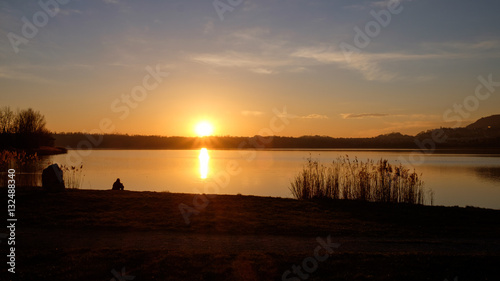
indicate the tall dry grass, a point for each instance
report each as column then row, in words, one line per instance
column 27, row 168
column 73, row 176
column 357, row 180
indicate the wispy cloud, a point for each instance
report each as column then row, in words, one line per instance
column 250, row 62
column 111, row 1
column 299, row 69
column 261, row 70
column 290, row 116
column 363, row 115
column 264, row 54
column 366, row 64
column 228, row 59
column 369, row 64
column 314, row 116
column 267, row 55
column 21, row 74
column 309, row 116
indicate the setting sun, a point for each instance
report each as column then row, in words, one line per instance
column 204, row 129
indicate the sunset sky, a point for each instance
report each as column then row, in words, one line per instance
column 231, row 67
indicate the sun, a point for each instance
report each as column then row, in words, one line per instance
column 204, row 129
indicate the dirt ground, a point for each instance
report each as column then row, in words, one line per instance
column 124, row 235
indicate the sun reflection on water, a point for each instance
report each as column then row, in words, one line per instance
column 204, row 158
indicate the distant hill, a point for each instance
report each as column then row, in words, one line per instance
column 490, row 122
column 484, row 133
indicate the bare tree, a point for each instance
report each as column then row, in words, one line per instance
column 30, row 131
column 30, row 122
column 7, row 120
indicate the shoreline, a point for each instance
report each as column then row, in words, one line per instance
column 48, row 150
column 465, row 151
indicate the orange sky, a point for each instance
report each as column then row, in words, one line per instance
column 107, row 61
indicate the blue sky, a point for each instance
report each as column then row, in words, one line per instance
column 261, row 55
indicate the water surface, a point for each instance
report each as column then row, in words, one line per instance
column 455, row 179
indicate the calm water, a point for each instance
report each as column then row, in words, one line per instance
column 455, row 179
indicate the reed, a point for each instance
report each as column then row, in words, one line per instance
column 357, row 180
column 73, row 176
column 27, row 167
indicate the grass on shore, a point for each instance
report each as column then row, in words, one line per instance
column 25, row 165
column 357, row 180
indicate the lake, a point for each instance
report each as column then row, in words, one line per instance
column 455, row 179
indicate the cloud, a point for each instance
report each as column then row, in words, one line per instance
column 262, row 71
column 229, row 59
column 254, row 49
column 370, row 64
column 35, row 73
column 309, row 116
column 314, row 116
column 299, row 69
column 111, row 1
column 266, row 53
column 252, row 63
column 251, row 113
column 363, row 115
column 363, row 63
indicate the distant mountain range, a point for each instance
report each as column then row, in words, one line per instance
column 483, row 134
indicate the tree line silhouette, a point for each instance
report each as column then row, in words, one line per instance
column 24, row 129
column 472, row 139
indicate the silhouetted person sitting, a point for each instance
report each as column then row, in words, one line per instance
column 118, row 185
